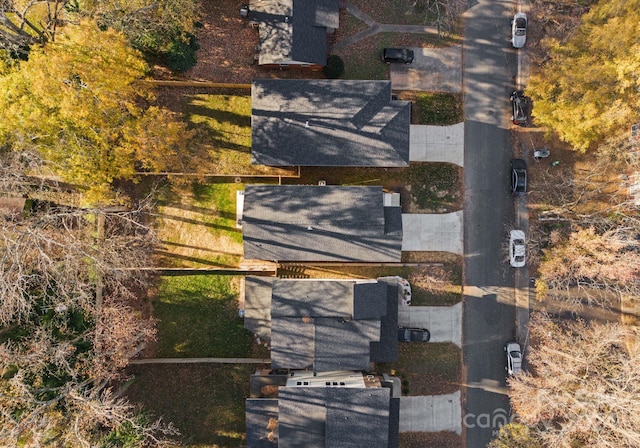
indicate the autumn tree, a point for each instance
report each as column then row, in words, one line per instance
column 588, row 88
column 80, row 104
column 24, row 23
column 515, row 435
column 582, row 385
column 163, row 28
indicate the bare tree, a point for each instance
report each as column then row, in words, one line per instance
column 444, row 14
column 69, row 282
column 582, row 385
column 22, row 23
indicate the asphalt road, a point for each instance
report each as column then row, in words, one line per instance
column 489, row 70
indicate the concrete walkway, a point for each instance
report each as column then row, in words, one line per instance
column 431, row 413
column 432, row 232
column 444, row 322
column 437, row 143
column 203, row 360
column 375, row 28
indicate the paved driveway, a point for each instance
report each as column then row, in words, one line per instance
column 433, row 69
column 437, row 143
column 432, row 232
column 444, row 322
column 431, row 413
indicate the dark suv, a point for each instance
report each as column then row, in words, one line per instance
column 519, row 107
column 518, row 177
column 403, row 55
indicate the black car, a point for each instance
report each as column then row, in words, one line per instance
column 518, row 177
column 519, row 107
column 403, row 55
column 413, row 334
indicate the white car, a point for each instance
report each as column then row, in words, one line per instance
column 514, row 358
column 519, row 30
column 517, row 248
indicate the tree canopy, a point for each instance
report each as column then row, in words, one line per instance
column 588, row 89
column 79, row 102
column 582, row 385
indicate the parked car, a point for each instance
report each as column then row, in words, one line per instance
column 518, row 177
column 413, row 334
column 519, row 108
column 403, row 55
column 514, row 358
column 517, row 248
column 519, row 30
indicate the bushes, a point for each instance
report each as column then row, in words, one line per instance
column 181, row 53
column 334, row 68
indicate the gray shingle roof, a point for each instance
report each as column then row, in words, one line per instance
column 320, row 223
column 294, row 30
column 334, row 417
column 257, row 310
column 258, row 413
column 357, row 418
column 328, row 123
column 321, row 329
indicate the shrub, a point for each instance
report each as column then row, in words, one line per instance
column 334, row 68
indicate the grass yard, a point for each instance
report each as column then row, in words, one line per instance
column 197, row 226
column 204, row 401
column 443, row 439
column 434, row 108
column 426, row 368
column 198, row 317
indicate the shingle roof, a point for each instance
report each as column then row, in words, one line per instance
column 335, row 324
column 257, row 315
column 334, row 417
column 320, row 223
column 258, row 413
column 294, row 30
column 328, row 123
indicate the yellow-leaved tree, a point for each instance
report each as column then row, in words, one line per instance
column 588, row 89
column 79, row 102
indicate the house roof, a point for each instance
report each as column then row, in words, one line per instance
column 320, row 223
column 328, row 123
column 294, row 31
column 333, row 417
column 326, row 325
column 259, row 413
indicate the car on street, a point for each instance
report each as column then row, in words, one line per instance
column 519, row 108
column 514, row 358
column 517, row 248
column 519, row 30
column 413, row 334
column 403, row 55
column 518, row 177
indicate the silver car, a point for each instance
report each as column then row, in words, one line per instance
column 514, row 358
column 519, row 30
column 517, row 248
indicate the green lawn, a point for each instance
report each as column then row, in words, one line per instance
column 438, row 108
column 400, row 12
column 426, row 368
column 204, row 401
column 198, row 317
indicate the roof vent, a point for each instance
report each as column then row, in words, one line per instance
column 322, row 183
